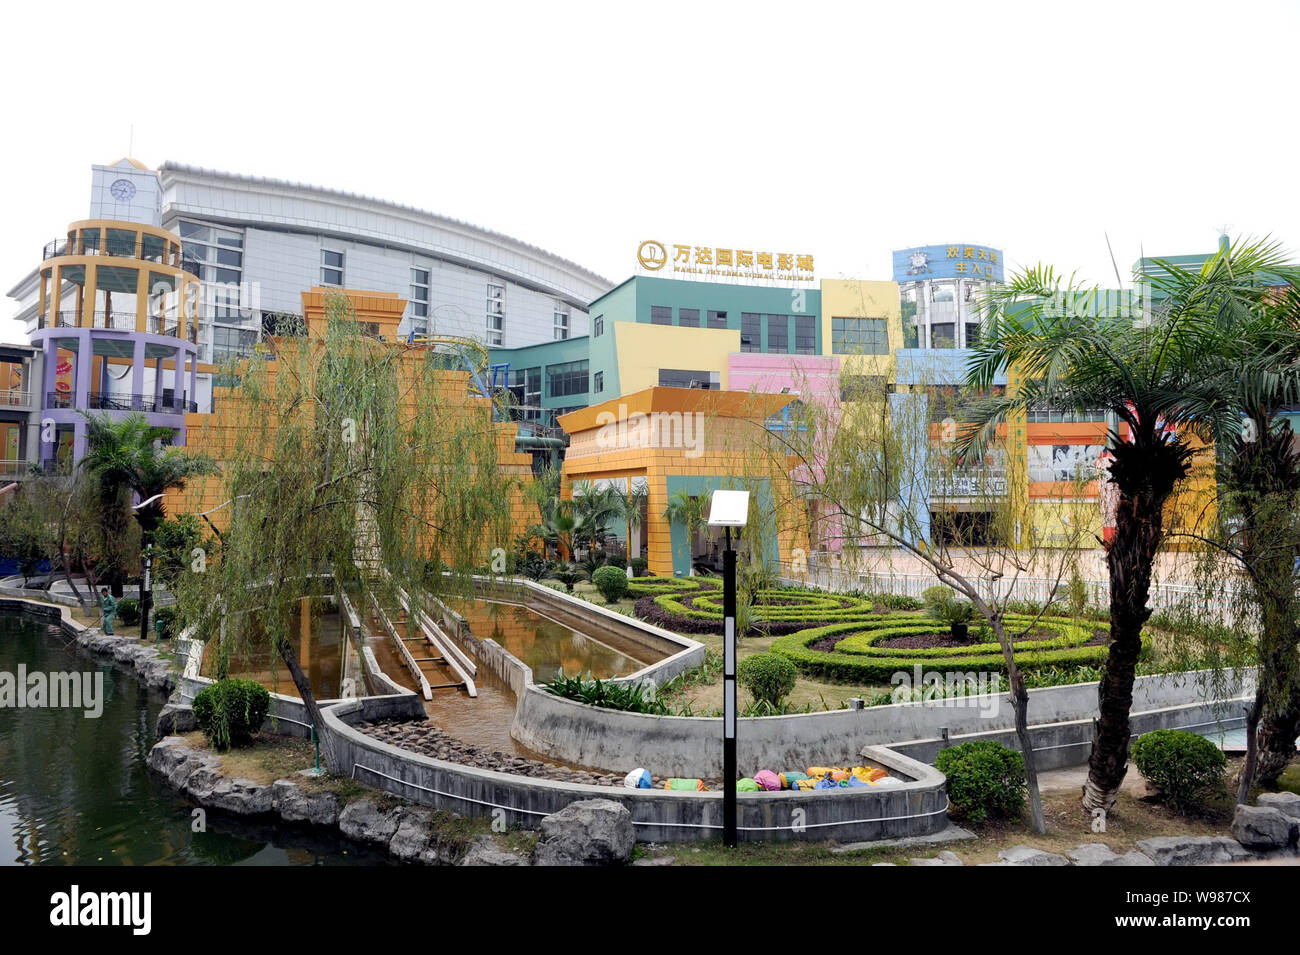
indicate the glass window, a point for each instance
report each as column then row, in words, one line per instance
column 972, row 333
column 805, row 335
column 419, row 298
column 859, row 336
column 496, row 313
column 778, row 334
column 331, row 267
column 561, row 324
column 717, row 319
column 568, row 378
column 526, row 387
column 661, row 315
column 688, row 317
column 943, row 335
column 598, row 382
column 751, row 332
column 686, row 378
column 598, row 326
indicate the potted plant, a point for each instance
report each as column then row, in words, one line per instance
column 957, row 614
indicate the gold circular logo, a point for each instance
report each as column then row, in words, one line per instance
column 652, row 255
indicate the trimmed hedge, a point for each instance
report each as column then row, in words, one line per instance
column 880, row 666
column 986, row 780
column 1186, row 768
column 639, row 587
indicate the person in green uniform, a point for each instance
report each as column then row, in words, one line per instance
column 109, row 607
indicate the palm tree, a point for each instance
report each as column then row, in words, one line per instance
column 596, row 508
column 1160, row 374
column 633, row 502
column 127, row 455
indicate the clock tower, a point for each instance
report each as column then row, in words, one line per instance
column 126, row 191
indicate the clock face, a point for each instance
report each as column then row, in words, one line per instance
column 123, row 190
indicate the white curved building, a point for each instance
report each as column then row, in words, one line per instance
column 257, row 243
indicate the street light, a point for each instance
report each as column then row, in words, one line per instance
column 729, row 509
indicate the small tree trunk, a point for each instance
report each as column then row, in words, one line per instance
column 1020, row 707
column 301, row 681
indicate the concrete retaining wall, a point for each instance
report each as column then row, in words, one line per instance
column 1061, row 721
column 917, row 807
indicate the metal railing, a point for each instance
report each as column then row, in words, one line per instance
column 13, row 469
column 113, row 248
column 15, row 397
column 150, row 404
column 122, row 321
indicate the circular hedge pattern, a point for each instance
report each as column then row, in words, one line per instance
column 855, row 658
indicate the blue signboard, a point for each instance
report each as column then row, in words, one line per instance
column 948, row 262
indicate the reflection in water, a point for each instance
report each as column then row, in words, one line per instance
column 320, row 656
column 76, row 791
column 550, row 648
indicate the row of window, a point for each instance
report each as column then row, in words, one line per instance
column 778, row 333
column 859, row 336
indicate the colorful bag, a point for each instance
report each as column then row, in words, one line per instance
column 826, row 783
column 685, row 785
column 791, row 780
column 638, row 779
column 886, row 781
column 806, row 783
column 747, row 785
column 768, row 780
column 817, row 772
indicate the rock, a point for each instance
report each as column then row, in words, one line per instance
column 486, row 852
column 1192, row 850
column 1263, row 827
column 363, row 821
column 587, row 832
column 176, row 718
column 243, row 797
column 943, row 858
column 1097, row 853
column 412, row 835
column 294, row 805
column 177, row 762
column 1286, row 803
column 1027, row 855
column 654, row 861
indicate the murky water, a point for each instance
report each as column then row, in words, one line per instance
column 320, row 656
column 76, row 791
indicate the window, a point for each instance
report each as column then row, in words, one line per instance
column 598, row 382
column 943, row 335
column 751, row 332
column 598, row 326
column 568, row 378
column 231, row 343
column 805, row 335
column 717, row 319
column 972, row 333
column 661, row 315
column 216, row 256
column 688, row 317
column 778, row 334
column 331, row 267
column 419, row 293
column 526, row 389
column 859, row 336
column 496, row 313
column 561, row 324
column 684, row 378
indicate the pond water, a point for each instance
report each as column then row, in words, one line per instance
column 76, row 791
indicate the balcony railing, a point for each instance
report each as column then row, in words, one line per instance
column 14, row 397
column 120, row 250
column 123, row 321
column 13, row 469
column 123, row 402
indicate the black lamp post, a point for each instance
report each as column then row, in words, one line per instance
column 729, row 509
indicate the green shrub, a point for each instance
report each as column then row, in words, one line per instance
column 639, row 566
column 1185, row 768
column 768, row 677
column 569, row 575
column 985, row 780
column 939, row 593
column 128, row 611
column 611, row 582
column 895, row 601
column 630, row 697
column 617, row 560
column 230, row 711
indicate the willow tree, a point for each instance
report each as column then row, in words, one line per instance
column 1157, row 368
column 350, row 464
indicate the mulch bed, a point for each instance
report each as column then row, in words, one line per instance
column 944, row 640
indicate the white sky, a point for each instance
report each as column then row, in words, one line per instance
column 845, row 131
